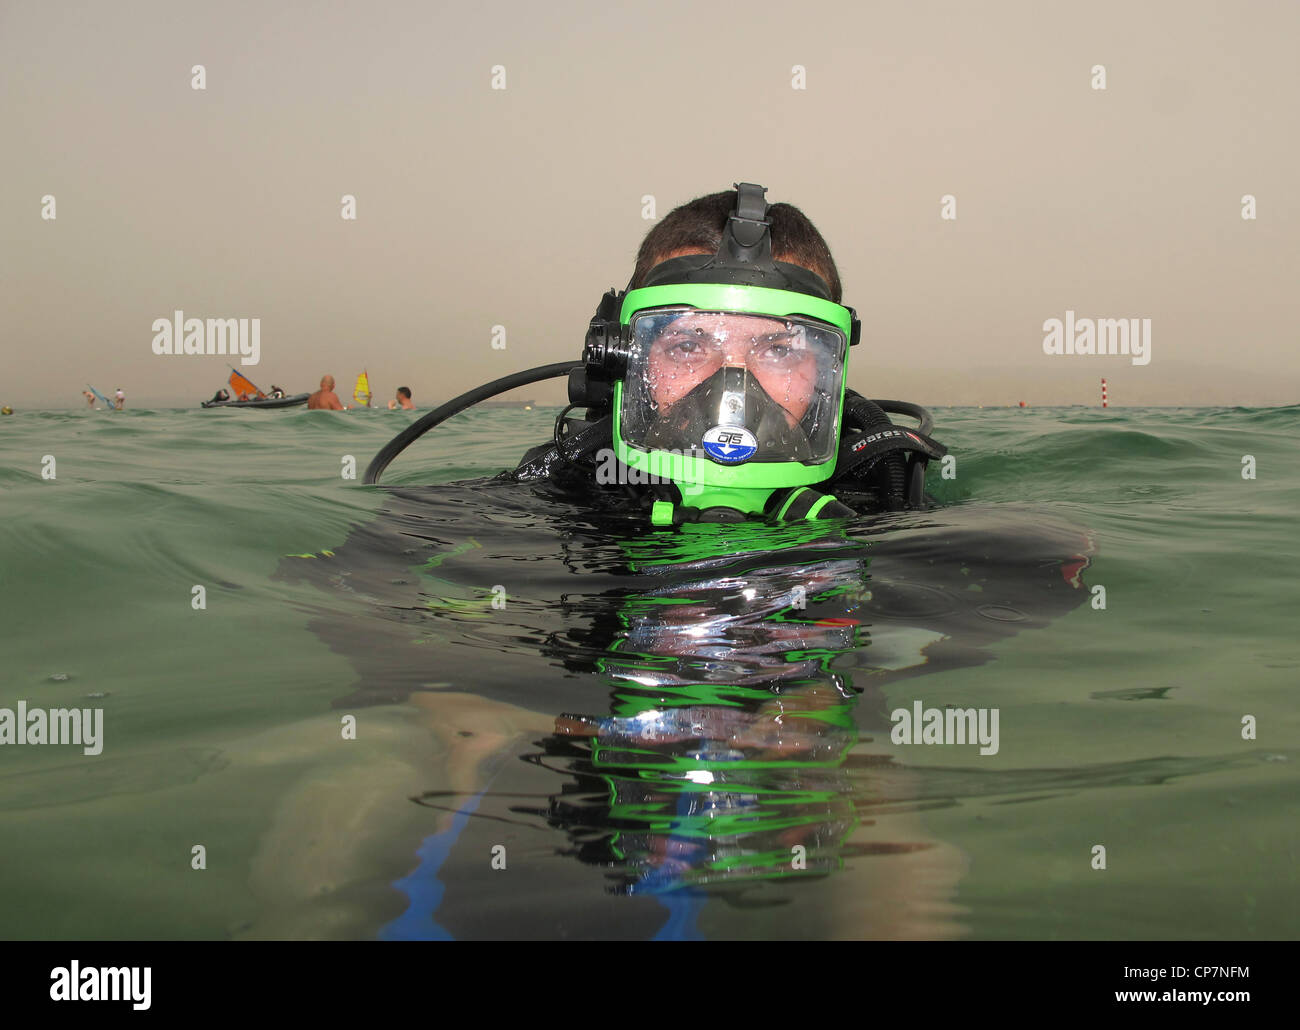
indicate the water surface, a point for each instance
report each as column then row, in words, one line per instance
column 656, row 734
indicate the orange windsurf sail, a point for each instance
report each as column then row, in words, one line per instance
column 243, row 387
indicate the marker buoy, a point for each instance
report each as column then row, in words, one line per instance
column 1103, row 394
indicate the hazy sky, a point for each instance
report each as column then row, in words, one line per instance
column 519, row 206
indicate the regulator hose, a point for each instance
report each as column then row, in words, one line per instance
column 418, row 428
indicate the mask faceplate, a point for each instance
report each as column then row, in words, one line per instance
column 733, row 387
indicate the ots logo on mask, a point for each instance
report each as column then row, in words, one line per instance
column 729, row 444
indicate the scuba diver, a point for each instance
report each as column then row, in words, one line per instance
column 714, row 384
column 686, row 713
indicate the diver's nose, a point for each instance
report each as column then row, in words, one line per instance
column 735, row 357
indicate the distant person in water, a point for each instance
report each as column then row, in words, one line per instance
column 325, row 399
column 90, row 398
column 403, row 399
column 119, row 399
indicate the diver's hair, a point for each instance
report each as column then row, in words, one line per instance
column 698, row 226
column 405, row 391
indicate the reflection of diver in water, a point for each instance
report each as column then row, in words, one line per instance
column 723, row 753
column 943, row 587
column 727, row 755
column 735, row 708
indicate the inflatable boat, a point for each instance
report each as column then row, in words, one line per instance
column 260, row 402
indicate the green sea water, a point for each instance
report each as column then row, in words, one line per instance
column 224, row 726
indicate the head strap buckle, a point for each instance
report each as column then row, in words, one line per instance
column 748, row 237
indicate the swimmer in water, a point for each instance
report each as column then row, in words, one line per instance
column 325, row 399
column 403, row 399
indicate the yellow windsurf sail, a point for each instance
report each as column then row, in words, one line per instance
column 361, row 392
column 242, row 387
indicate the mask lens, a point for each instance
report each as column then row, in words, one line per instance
column 691, row 371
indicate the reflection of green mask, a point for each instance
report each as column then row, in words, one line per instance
column 729, row 728
column 717, row 812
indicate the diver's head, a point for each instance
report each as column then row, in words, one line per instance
column 696, row 229
column 727, row 352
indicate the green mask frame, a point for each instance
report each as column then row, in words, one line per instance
column 702, row 482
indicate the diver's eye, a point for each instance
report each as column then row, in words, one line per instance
column 687, row 346
column 778, row 350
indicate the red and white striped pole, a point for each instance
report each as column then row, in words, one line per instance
column 1103, row 394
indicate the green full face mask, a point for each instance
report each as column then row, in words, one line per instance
column 728, row 372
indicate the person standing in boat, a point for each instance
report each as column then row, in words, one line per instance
column 325, row 399
column 90, row 399
column 403, row 400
